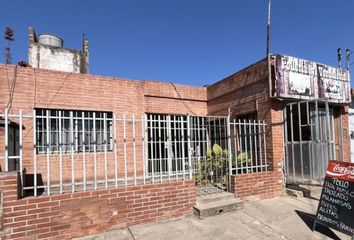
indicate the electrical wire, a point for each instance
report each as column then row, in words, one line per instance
column 181, row 99
column 35, row 88
column 11, row 88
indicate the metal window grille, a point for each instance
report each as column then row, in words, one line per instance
column 55, row 127
column 167, row 145
column 248, row 145
column 146, row 149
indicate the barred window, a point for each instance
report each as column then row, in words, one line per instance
column 248, row 131
column 84, row 129
column 166, row 138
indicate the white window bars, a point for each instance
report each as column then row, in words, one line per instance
column 55, row 126
column 248, row 146
column 67, row 151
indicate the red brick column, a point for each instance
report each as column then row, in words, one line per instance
column 72, row 215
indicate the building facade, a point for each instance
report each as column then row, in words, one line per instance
column 110, row 152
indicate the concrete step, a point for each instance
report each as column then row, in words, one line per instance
column 302, row 190
column 212, row 206
column 211, row 198
column 315, row 190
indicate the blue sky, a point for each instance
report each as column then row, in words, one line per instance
column 194, row 42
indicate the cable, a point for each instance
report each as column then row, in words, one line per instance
column 11, row 89
column 181, row 99
column 35, row 88
column 8, row 82
column 131, row 234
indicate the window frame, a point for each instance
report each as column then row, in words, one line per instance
column 73, row 121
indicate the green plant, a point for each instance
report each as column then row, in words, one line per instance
column 243, row 159
column 213, row 170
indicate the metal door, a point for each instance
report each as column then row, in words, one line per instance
column 309, row 141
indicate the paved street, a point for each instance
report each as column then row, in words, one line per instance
column 282, row 218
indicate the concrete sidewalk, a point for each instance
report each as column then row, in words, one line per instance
column 282, row 218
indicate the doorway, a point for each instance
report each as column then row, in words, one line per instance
column 310, row 141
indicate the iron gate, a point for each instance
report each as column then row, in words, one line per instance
column 232, row 147
column 309, row 141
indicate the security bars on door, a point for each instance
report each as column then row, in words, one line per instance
column 62, row 151
column 309, row 141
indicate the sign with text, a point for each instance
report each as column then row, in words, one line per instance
column 302, row 79
column 335, row 208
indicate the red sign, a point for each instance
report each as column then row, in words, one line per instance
column 340, row 170
column 336, row 206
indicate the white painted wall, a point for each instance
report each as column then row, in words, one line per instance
column 54, row 58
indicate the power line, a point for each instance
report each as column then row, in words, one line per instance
column 11, row 89
column 181, row 99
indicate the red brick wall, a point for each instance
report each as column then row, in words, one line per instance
column 41, row 88
column 247, row 92
column 254, row 186
column 171, row 98
column 276, row 145
column 245, row 77
column 73, row 215
column 176, row 91
column 243, row 93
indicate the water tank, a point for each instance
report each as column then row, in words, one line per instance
column 51, row 40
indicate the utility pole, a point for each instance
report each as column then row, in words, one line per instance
column 268, row 28
column 268, row 51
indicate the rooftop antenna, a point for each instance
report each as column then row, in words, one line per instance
column 268, row 29
column 347, row 54
column 9, row 33
column 83, row 41
column 339, row 54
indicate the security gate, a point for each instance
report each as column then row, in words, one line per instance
column 181, row 144
column 309, row 141
column 227, row 147
column 211, row 148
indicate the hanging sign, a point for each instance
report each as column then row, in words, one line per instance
column 302, row 79
column 336, row 205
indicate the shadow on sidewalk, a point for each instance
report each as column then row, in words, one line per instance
column 309, row 220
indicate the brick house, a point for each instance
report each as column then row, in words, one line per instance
column 109, row 152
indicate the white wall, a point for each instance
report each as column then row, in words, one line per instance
column 54, row 58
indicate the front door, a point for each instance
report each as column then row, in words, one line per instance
column 309, row 141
